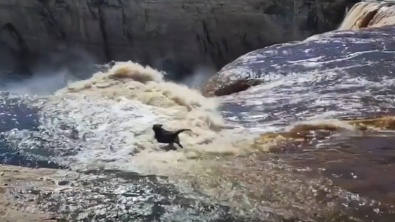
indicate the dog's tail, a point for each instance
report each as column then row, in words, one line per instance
column 181, row 130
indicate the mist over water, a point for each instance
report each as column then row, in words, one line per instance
column 40, row 84
column 199, row 77
column 62, row 69
column 49, row 73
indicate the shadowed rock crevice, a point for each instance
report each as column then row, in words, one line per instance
column 102, row 24
column 15, row 46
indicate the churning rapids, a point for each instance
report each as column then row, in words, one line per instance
column 312, row 142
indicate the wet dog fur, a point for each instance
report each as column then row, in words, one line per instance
column 165, row 136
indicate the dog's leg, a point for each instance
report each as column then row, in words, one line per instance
column 177, row 141
column 172, row 147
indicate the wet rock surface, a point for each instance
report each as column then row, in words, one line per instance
column 365, row 53
column 334, row 75
column 115, row 196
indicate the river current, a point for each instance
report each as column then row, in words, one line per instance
column 312, row 142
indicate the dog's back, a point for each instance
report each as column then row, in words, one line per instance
column 165, row 136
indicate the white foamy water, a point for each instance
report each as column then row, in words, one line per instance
column 106, row 121
column 109, row 121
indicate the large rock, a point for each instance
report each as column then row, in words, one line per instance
column 337, row 74
column 162, row 33
column 317, row 53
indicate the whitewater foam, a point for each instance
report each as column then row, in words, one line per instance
column 113, row 113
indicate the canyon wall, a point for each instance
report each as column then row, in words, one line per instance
column 176, row 33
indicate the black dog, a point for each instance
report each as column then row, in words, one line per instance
column 169, row 137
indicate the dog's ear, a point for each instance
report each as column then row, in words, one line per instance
column 157, row 126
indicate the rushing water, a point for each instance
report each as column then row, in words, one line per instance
column 322, row 169
column 101, row 195
column 17, row 115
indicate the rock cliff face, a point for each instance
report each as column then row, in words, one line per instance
column 159, row 32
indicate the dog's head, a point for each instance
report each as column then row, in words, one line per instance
column 157, row 127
